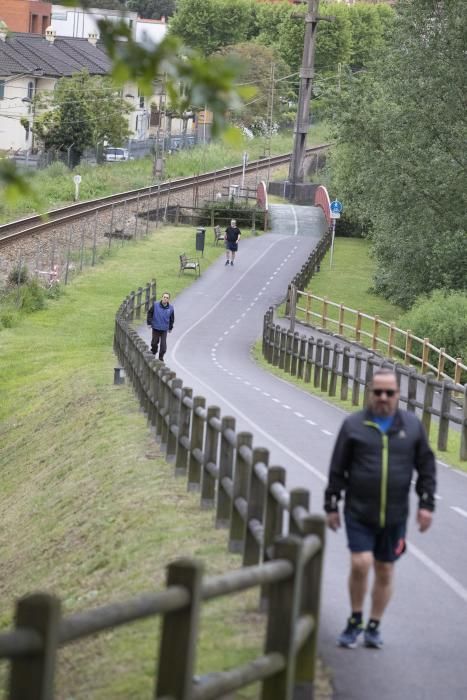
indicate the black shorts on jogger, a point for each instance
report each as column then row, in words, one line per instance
column 386, row 543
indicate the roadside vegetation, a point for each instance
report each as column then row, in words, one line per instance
column 91, row 511
column 55, row 188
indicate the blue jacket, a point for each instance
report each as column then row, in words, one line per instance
column 160, row 317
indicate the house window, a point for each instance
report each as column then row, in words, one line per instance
column 2, row 89
column 141, row 100
column 30, row 90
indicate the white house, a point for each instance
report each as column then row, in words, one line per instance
column 30, row 63
column 79, row 22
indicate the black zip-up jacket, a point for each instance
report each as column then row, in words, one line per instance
column 375, row 469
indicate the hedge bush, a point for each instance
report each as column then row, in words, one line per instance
column 441, row 317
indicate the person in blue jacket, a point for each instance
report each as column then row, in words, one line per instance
column 161, row 318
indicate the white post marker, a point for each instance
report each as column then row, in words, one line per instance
column 77, row 181
column 335, row 211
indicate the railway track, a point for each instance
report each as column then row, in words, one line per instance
column 21, row 228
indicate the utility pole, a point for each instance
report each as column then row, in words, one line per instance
column 304, row 95
column 270, row 113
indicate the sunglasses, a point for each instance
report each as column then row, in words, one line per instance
column 389, row 392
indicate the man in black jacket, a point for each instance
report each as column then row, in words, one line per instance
column 373, row 460
column 232, row 237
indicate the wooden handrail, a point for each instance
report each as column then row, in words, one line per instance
column 376, row 337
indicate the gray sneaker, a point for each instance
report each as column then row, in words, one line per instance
column 372, row 637
column 348, row 638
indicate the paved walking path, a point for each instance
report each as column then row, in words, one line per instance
column 217, row 320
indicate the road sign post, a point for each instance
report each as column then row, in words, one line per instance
column 335, row 211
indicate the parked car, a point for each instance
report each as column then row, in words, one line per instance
column 112, row 154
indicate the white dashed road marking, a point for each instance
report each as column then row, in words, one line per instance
column 461, row 511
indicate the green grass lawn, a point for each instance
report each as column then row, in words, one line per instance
column 90, row 509
column 55, row 185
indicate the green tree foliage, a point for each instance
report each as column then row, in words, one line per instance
column 109, row 4
column 212, row 24
column 256, row 61
column 82, row 111
column 441, row 317
column 400, row 161
column 367, row 34
column 152, row 9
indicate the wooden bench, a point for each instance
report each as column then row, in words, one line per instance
column 218, row 234
column 189, row 264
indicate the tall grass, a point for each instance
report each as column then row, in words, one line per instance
column 90, row 509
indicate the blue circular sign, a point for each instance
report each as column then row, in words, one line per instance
column 336, row 207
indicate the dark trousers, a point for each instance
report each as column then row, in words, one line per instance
column 156, row 337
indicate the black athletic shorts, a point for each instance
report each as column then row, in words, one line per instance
column 386, row 543
column 232, row 246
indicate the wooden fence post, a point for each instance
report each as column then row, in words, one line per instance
column 276, row 346
column 324, row 315
column 240, row 494
column 301, row 357
column 392, row 326
column 273, row 521
column 345, row 373
column 358, row 325
column 32, row 675
column 173, row 418
column 428, row 401
column 284, row 605
column 425, row 351
column 168, row 376
column 412, row 390
column 368, row 378
column 271, row 333
column 341, row 320
column 293, row 364
column 183, row 441
column 356, row 379
column 441, row 362
column 318, row 363
column 256, row 507
column 408, row 346
column 211, row 443
column 325, row 370
column 309, row 359
column 288, row 352
column 445, row 405
column 283, row 348
column 299, row 498
column 463, row 450
column 139, row 296
column 374, row 337
column 179, row 634
column 196, row 444
column 226, row 461
column 334, row 369
column 311, row 596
